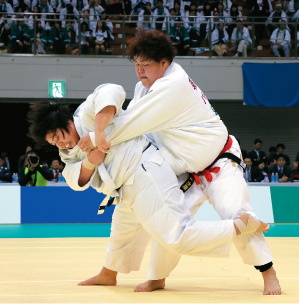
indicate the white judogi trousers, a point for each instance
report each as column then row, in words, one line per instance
column 227, row 193
column 153, row 206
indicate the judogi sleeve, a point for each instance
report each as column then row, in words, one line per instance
column 161, row 108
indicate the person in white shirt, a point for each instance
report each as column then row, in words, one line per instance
column 149, row 200
column 241, row 39
column 145, row 19
column 281, row 40
column 219, row 40
column 101, row 37
column 190, row 136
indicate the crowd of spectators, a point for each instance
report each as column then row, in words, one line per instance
column 187, row 24
column 262, row 168
column 32, row 171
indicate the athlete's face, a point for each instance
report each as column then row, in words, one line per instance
column 64, row 140
column 148, row 71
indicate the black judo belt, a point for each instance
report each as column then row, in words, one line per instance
column 190, row 180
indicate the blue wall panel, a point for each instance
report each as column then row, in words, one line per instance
column 62, row 205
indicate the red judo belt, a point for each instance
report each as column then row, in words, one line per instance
column 207, row 172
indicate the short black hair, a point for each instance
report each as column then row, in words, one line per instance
column 30, row 152
column 280, row 146
column 272, row 149
column 48, row 117
column 281, row 155
column 153, row 45
column 257, row 141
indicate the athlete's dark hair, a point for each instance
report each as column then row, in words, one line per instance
column 152, row 45
column 48, row 117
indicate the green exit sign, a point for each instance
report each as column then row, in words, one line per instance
column 56, row 89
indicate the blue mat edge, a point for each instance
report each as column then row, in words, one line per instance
column 103, row 230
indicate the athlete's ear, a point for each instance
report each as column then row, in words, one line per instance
column 165, row 63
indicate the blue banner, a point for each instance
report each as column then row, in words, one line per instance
column 271, row 84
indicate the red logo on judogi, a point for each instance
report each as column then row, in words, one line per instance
column 193, row 84
column 203, row 98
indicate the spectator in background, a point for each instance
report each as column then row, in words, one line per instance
column 41, row 38
column 177, row 9
column 94, row 10
column 162, row 12
column 252, row 173
column 92, row 24
column 108, row 24
column 145, row 19
column 214, row 24
column 34, row 174
column 219, row 40
column 4, row 156
column 5, row 174
column 5, row 25
column 273, row 154
column 79, row 5
column 71, row 15
column 58, row 39
column 21, row 161
column 264, row 170
column 284, row 171
column 30, row 20
column 45, row 9
column 295, row 170
column 280, row 150
column 222, row 13
column 192, row 24
column 256, row 154
column 275, row 17
column 261, row 10
column 20, row 37
column 233, row 15
column 206, row 12
column 54, row 169
column 101, row 37
column 45, row 163
column 241, row 39
column 117, row 7
column 281, row 41
column 6, row 8
column 179, row 37
column 137, row 6
column 86, row 39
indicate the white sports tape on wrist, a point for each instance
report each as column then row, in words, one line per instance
column 88, row 165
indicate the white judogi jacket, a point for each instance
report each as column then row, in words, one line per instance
column 180, row 116
column 120, row 164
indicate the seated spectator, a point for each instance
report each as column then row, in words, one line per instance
column 5, row 158
column 281, row 41
column 219, row 40
column 54, row 169
column 179, row 37
column 273, row 154
column 137, row 6
column 272, row 161
column 108, row 24
column 256, row 154
column 41, row 39
column 284, row 171
column 275, row 17
column 145, row 19
column 295, row 170
column 101, row 37
column 241, row 39
column 280, row 150
column 34, row 174
column 21, row 161
column 94, row 9
column 222, row 12
column 264, row 170
column 5, row 7
column 79, row 5
column 214, row 24
column 289, row 8
column 86, row 39
column 45, row 163
column 71, row 14
column 177, row 9
column 5, row 25
column 162, row 12
column 252, row 173
column 35, row 15
column 45, row 9
column 227, row 4
column 20, row 37
column 5, row 174
column 92, row 24
column 204, row 19
column 58, row 39
column 192, row 24
column 233, row 15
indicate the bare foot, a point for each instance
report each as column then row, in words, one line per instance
column 150, row 285
column 271, row 283
column 258, row 225
column 105, row 277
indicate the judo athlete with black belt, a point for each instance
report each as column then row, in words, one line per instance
column 149, row 200
column 192, row 138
